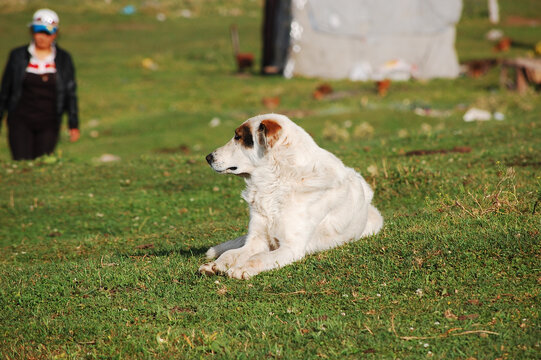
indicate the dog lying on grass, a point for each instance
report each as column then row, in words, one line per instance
column 302, row 198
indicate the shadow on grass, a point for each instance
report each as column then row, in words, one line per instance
column 150, row 252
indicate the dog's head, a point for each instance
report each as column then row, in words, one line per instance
column 251, row 144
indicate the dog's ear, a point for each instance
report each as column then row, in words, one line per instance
column 268, row 132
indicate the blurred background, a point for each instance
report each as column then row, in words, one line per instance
column 154, row 74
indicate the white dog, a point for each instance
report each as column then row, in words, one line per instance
column 302, row 198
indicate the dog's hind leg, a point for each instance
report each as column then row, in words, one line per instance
column 374, row 222
column 219, row 249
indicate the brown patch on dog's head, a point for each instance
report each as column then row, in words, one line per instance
column 243, row 134
column 269, row 132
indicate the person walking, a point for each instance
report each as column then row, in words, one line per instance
column 38, row 87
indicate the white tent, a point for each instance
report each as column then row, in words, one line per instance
column 368, row 39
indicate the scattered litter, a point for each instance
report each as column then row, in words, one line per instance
column 426, row 111
column 128, row 10
column 477, row 68
column 494, row 35
column 475, row 114
column 499, row 116
column 185, row 13
column 271, row 102
column 321, row 91
column 161, row 17
column 215, row 122
column 419, row 108
column 527, row 72
column 503, row 45
column 245, row 61
column 105, row 158
column 94, row 134
column 397, row 69
column 383, row 86
column 149, row 64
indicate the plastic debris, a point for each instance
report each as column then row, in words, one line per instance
column 499, row 116
column 423, row 111
column 185, row 13
column 215, row 122
column 149, row 64
column 128, row 10
column 105, row 158
column 475, row 114
column 397, row 69
column 494, row 35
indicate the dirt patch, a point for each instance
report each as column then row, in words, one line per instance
column 184, row 149
column 456, row 149
column 514, row 20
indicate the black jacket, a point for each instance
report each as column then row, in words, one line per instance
column 66, row 95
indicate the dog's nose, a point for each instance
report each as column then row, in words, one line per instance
column 210, row 158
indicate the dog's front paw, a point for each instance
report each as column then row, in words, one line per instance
column 239, row 273
column 208, row 269
column 250, row 268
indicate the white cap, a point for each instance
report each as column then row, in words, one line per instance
column 45, row 20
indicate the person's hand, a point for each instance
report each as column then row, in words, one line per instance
column 75, row 134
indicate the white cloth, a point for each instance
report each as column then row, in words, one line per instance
column 41, row 66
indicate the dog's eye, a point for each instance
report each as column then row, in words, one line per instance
column 237, row 137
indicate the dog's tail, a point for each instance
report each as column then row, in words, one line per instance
column 374, row 222
column 219, row 249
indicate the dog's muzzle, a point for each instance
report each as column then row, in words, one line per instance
column 210, row 158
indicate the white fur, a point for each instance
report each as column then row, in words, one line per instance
column 302, row 200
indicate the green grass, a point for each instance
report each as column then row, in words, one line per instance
column 99, row 260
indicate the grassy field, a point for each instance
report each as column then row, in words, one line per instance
column 99, row 260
